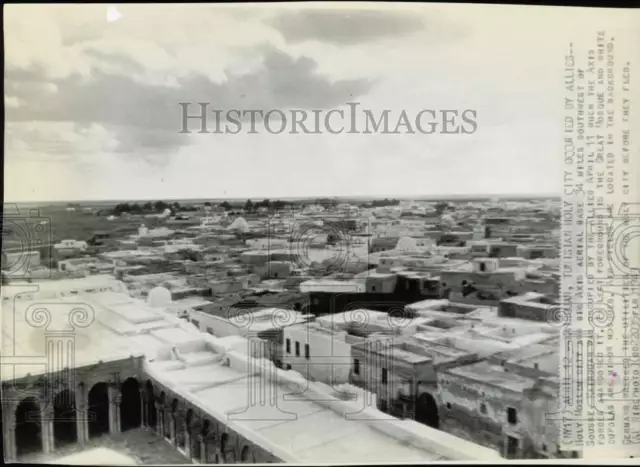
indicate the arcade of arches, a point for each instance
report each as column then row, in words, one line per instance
column 195, row 433
column 103, row 407
column 46, row 424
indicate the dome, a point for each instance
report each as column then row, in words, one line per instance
column 406, row 244
column 239, row 224
column 159, row 296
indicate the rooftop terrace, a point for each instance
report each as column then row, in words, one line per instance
column 296, row 420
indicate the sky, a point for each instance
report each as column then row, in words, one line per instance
column 92, row 106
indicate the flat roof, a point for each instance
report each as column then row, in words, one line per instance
column 293, row 424
column 437, row 351
column 493, row 375
column 296, row 420
column 543, row 356
column 192, row 301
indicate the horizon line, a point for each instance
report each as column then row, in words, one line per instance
column 302, row 198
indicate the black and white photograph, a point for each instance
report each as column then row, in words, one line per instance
column 319, row 233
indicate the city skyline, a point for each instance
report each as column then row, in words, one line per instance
column 419, row 198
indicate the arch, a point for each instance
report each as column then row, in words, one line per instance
column 427, row 410
column 207, row 440
column 28, row 427
column 166, row 426
column 152, row 419
column 65, row 427
column 174, row 418
column 98, row 410
column 224, row 440
column 246, row 455
column 180, row 426
column 189, row 418
column 194, row 436
column 131, row 405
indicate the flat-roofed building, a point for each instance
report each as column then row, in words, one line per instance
column 321, row 350
column 329, row 285
column 262, row 325
column 410, row 374
column 125, row 364
column 532, row 306
column 503, row 401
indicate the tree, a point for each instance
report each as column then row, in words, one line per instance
column 265, row 203
column 226, row 206
column 279, row 205
column 160, row 206
column 207, row 203
column 441, row 207
column 248, row 206
column 121, row 208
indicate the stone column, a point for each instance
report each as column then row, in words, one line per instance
column 159, row 420
column 48, row 442
column 82, row 414
column 10, row 448
column 172, row 431
column 144, row 416
column 203, row 449
column 187, row 441
column 114, row 409
column 117, row 410
column 47, row 434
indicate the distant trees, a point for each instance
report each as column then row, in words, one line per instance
column 385, row 202
column 266, row 203
column 379, row 203
column 159, row 206
column 326, row 203
column 278, row 204
column 149, row 207
column 441, row 207
column 122, row 208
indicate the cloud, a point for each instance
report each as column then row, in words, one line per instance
column 146, row 118
column 97, row 102
column 114, row 59
column 11, row 102
column 345, row 27
column 57, row 140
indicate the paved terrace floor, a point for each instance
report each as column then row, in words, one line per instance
column 142, row 446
